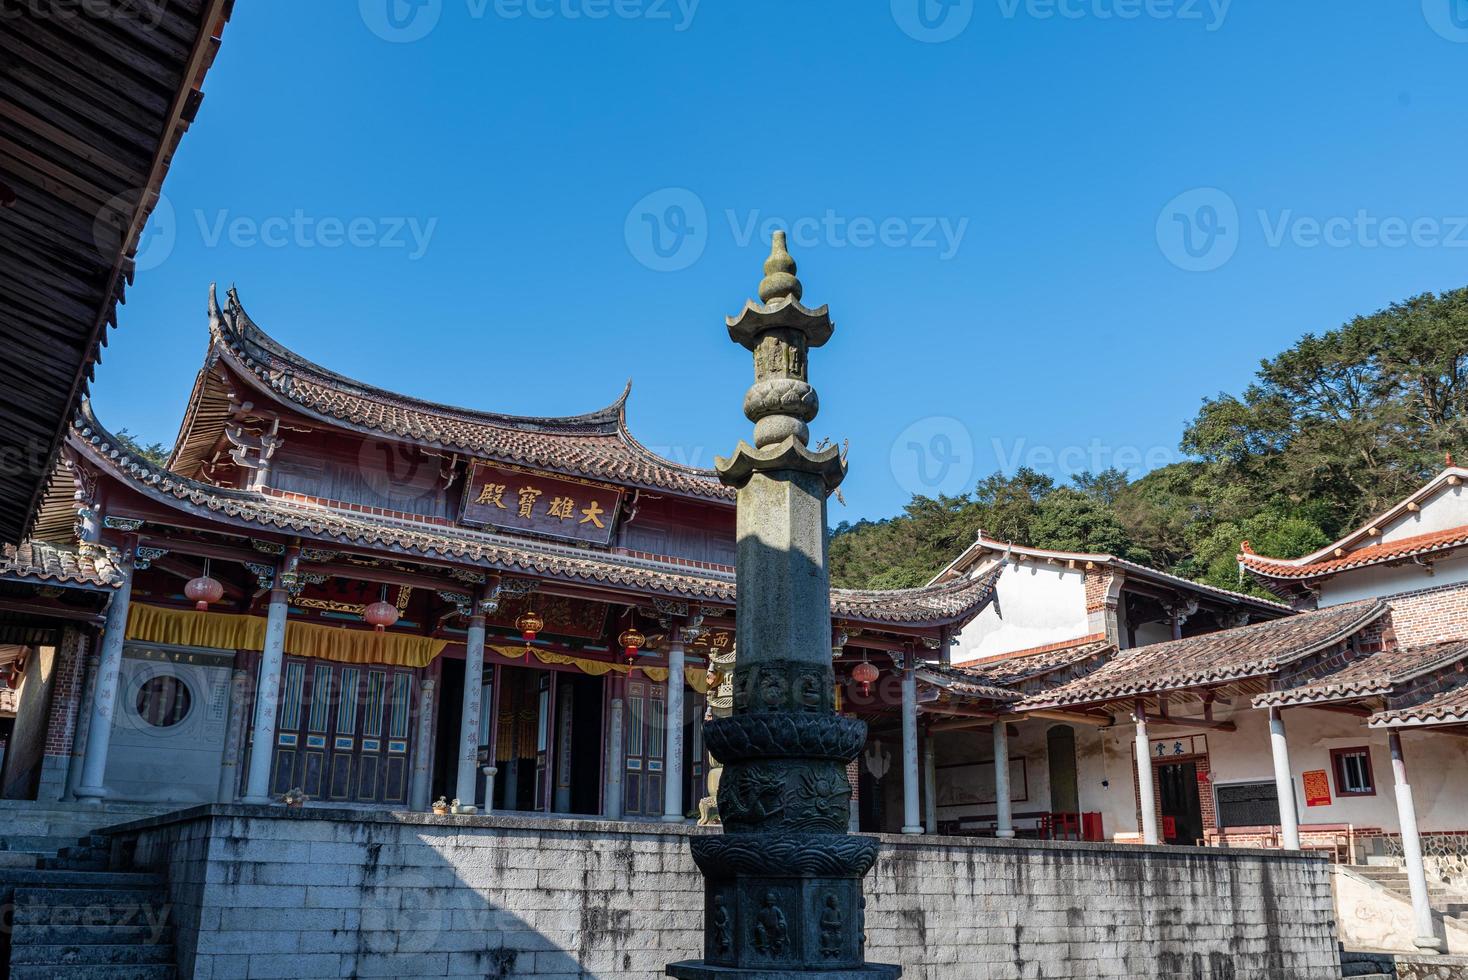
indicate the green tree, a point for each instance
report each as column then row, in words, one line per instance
column 154, row 452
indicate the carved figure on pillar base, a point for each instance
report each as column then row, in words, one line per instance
column 783, row 882
column 720, row 704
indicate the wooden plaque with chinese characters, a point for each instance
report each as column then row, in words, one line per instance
column 524, row 500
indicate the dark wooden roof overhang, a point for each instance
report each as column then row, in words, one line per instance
column 92, row 106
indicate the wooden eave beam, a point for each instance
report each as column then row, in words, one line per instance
column 206, row 549
column 960, row 725
column 50, row 611
column 959, row 710
column 183, row 570
column 1093, row 719
column 1192, row 724
column 1355, row 710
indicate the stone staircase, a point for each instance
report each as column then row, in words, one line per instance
column 69, row 916
column 1445, row 900
column 27, row 827
column 1367, row 966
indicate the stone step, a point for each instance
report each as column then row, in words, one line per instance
column 18, row 859
column 49, row 897
column 151, row 971
column 38, row 843
column 124, row 911
column 101, row 954
column 1366, row 965
column 33, row 934
column 59, row 864
column 49, row 878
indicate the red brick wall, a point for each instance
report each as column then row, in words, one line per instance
column 1098, row 583
column 66, row 694
column 1429, row 615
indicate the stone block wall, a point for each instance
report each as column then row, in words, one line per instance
column 264, row 892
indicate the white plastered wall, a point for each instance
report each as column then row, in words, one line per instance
column 1035, row 605
column 1383, row 580
column 1437, row 767
column 1444, row 509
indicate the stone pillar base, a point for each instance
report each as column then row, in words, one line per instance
column 698, row 970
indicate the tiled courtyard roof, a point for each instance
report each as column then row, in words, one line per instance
column 1213, row 658
column 1448, row 707
column 957, row 685
column 36, row 561
column 597, row 444
column 1026, row 670
column 952, row 602
column 1356, row 550
column 1374, row 675
column 1376, row 554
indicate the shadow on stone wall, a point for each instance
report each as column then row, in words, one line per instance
column 267, row 892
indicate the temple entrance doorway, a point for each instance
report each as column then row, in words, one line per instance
column 578, row 743
column 548, row 741
column 521, row 741
column 1182, row 810
column 1060, row 747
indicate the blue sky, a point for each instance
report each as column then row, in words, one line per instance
column 1046, row 228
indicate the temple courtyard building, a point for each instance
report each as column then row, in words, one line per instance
column 1332, row 720
column 513, row 613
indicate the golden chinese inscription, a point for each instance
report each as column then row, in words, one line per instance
column 515, row 498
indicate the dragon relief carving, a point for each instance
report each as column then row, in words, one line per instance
column 751, row 796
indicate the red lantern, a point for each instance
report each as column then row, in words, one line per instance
column 203, row 590
column 381, row 615
column 529, row 624
column 632, row 641
column 864, row 674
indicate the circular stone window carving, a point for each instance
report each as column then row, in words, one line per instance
column 164, row 701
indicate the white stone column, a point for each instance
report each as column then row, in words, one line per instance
column 1426, row 938
column 267, row 700
column 1003, row 795
column 234, row 734
column 673, row 752
column 104, row 690
column 1146, row 790
column 423, row 751
column 911, row 811
column 930, row 786
column 1284, row 785
column 616, row 762
column 466, row 785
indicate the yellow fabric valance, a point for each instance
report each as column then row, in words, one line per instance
column 229, row 631
column 697, row 676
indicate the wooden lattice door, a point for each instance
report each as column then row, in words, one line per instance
column 345, row 731
column 646, row 730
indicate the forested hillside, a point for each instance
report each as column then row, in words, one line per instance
column 1332, row 430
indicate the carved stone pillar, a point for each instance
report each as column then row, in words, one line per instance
column 783, row 883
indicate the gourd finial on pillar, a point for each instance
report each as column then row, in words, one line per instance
column 779, row 280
